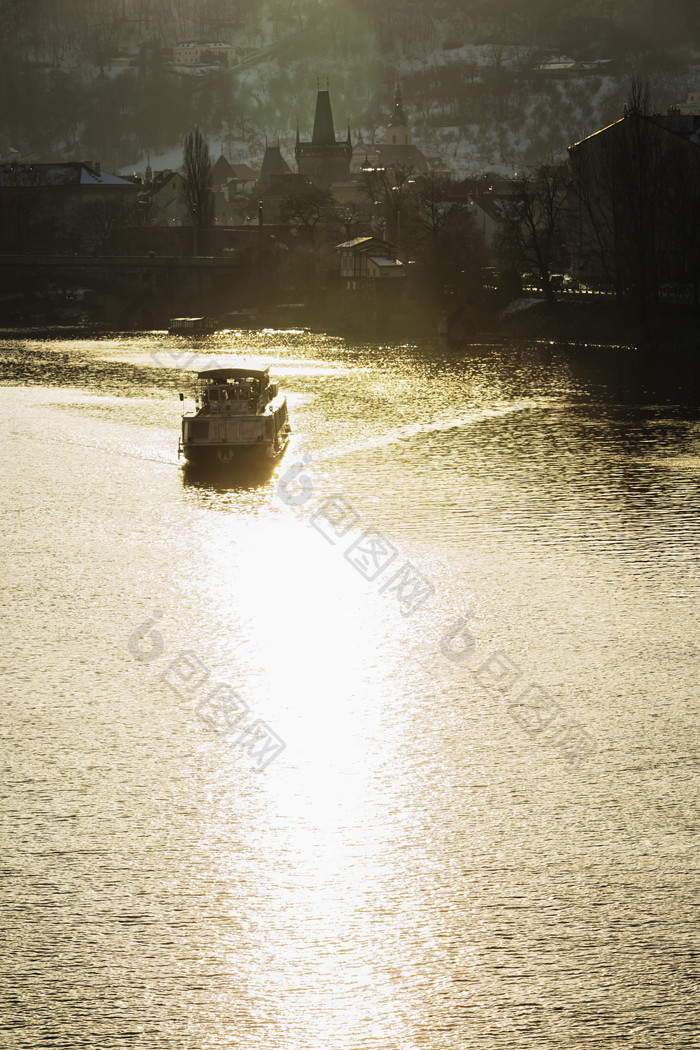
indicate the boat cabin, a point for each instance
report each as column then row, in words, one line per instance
column 237, row 409
column 232, row 391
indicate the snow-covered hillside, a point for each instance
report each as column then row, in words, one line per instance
column 487, row 86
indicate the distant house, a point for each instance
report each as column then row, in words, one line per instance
column 235, row 178
column 168, row 199
column 232, row 185
column 372, row 285
column 191, row 53
column 691, row 105
column 559, row 66
column 222, row 54
column 368, row 258
column 221, row 173
column 274, row 167
column 490, row 208
column 187, row 53
column 244, row 177
column 77, row 177
column 77, row 203
column 275, row 184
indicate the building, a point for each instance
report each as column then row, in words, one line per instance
column 637, row 211
column 277, row 183
column 192, row 53
column 397, row 152
column 168, row 200
column 323, row 161
column 372, row 288
column 231, row 185
column 368, row 258
column 691, row 104
column 491, row 203
column 84, row 179
column 75, row 205
column 274, row 168
column 558, row 66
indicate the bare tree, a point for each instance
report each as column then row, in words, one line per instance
column 199, row 196
column 436, row 203
column 535, row 223
column 100, row 220
column 346, row 219
column 392, row 193
column 307, row 211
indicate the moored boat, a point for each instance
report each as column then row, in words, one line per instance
column 192, row 325
column 240, row 417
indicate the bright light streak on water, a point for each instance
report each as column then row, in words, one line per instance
column 418, row 867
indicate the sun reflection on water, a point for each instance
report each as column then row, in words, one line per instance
column 412, row 870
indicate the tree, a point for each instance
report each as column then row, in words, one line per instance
column 346, row 220
column 436, row 203
column 392, row 192
column 307, row 211
column 198, row 181
column 449, row 248
column 535, row 224
column 99, row 220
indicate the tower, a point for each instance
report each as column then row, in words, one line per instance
column 398, row 132
column 323, row 161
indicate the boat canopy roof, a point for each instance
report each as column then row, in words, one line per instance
column 222, row 375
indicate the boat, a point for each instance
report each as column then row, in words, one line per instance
column 192, row 325
column 240, row 418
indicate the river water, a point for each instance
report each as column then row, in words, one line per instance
column 393, row 747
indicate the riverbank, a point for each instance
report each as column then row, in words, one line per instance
column 674, row 327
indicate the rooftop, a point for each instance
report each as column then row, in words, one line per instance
column 73, row 173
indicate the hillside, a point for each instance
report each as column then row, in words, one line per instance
column 98, row 78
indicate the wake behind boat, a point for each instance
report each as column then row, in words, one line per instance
column 240, row 417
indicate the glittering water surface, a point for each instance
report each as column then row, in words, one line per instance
column 470, row 619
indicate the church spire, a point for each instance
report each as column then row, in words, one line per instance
column 398, row 132
column 398, row 117
column 324, row 131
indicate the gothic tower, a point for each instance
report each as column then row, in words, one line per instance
column 323, row 161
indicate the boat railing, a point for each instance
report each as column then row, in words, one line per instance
column 226, row 408
column 233, row 400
